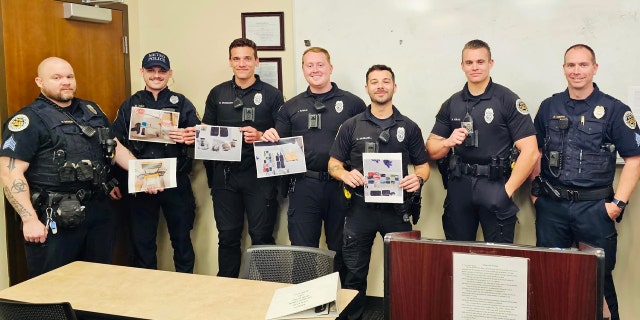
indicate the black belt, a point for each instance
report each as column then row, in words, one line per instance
column 475, row 169
column 582, row 194
column 359, row 198
column 318, row 175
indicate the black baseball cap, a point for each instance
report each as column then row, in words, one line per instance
column 156, row 59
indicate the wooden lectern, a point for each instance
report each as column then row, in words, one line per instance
column 418, row 278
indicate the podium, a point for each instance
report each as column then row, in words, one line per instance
column 418, row 278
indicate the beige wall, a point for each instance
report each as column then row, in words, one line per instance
column 196, row 36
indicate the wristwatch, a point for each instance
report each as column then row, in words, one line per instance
column 422, row 180
column 621, row 204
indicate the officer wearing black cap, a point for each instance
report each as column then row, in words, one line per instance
column 178, row 204
column 251, row 104
column 316, row 115
column 482, row 123
column 579, row 131
column 54, row 164
column 381, row 128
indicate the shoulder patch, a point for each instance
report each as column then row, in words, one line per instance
column 522, row 107
column 19, row 122
column 629, row 120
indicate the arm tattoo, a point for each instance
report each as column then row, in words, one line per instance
column 12, row 164
column 20, row 209
column 19, row 186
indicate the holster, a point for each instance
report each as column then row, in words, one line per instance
column 345, row 197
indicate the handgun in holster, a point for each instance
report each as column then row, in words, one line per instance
column 443, row 168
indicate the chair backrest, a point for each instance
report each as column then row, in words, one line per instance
column 11, row 310
column 286, row 264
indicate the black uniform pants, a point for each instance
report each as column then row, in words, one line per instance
column 362, row 222
column 472, row 200
column 310, row 203
column 178, row 208
column 91, row 241
column 561, row 224
column 242, row 192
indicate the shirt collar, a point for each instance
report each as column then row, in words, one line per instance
column 486, row 95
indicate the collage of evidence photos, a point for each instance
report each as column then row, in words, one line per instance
column 383, row 172
column 218, row 143
column 280, row 158
column 151, row 125
column 152, row 174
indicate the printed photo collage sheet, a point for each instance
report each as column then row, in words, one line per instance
column 383, row 172
column 152, row 125
column 221, row 143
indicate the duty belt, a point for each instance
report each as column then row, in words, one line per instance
column 475, row 169
column 581, row 194
column 359, row 198
column 319, row 175
column 584, row 194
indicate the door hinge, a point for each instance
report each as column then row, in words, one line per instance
column 125, row 45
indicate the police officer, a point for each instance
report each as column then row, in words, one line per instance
column 380, row 128
column 251, row 104
column 178, row 204
column 316, row 115
column 55, row 159
column 579, row 131
column 477, row 127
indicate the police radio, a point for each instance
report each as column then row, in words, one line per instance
column 472, row 135
column 319, row 106
column 237, row 103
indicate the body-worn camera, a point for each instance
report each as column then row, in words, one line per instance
column 371, row 147
column 248, row 114
column 315, row 121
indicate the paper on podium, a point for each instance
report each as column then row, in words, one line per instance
column 311, row 299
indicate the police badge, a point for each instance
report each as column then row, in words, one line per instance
column 488, row 115
column 400, row 134
column 92, row 109
column 174, row 99
column 257, row 99
column 598, row 112
column 339, row 106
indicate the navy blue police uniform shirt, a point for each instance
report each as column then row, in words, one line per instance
column 293, row 120
column 595, row 124
column 219, row 110
column 404, row 137
column 499, row 116
column 168, row 100
column 25, row 135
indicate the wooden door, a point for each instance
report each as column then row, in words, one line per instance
column 33, row 30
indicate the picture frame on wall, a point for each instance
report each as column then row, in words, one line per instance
column 270, row 71
column 266, row 29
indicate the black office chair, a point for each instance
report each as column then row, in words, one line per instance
column 286, row 264
column 11, row 310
